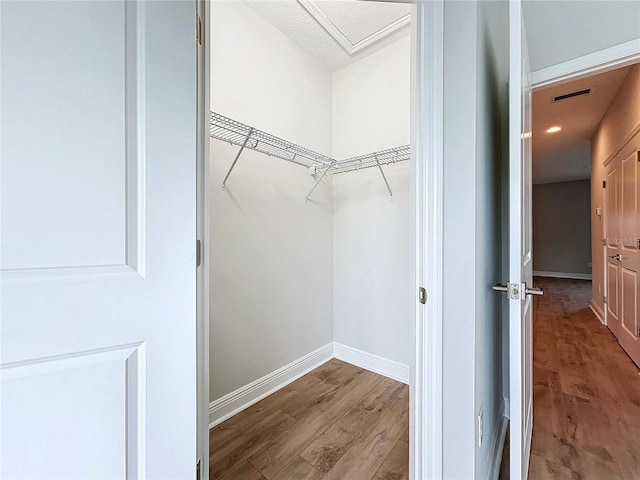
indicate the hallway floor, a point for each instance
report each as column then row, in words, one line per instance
column 586, row 391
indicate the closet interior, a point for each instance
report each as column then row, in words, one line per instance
column 309, row 231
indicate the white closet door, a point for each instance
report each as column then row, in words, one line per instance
column 98, row 358
column 622, row 233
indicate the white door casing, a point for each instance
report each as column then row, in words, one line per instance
column 520, row 247
column 427, row 166
column 98, row 189
column 203, row 219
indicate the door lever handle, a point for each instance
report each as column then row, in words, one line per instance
column 617, row 257
column 501, row 287
column 534, row 291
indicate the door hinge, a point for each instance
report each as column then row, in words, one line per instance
column 422, row 295
column 638, row 331
column 604, row 184
column 198, row 253
column 604, row 299
column 604, row 241
column 198, row 474
column 199, row 29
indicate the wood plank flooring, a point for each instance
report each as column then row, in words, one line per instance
column 586, row 422
column 337, row 422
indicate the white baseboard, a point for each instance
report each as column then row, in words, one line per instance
column 497, row 446
column 597, row 312
column 242, row 398
column 369, row 361
column 572, row 276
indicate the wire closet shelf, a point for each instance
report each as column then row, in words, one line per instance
column 231, row 131
column 236, row 133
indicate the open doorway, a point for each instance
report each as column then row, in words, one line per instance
column 310, row 241
column 585, row 250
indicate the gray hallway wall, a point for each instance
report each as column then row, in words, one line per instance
column 562, row 227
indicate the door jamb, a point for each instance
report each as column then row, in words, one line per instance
column 427, row 139
column 594, row 63
column 202, row 234
column 427, row 158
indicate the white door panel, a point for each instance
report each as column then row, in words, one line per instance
column 520, row 251
column 98, row 356
column 43, row 78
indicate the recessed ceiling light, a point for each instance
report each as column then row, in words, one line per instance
column 554, row 129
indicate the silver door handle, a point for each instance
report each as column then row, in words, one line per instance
column 500, row 287
column 617, row 257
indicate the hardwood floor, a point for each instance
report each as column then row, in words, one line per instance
column 337, row 422
column 586, row 391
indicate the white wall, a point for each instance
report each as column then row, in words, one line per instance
column 371, row 233
column 475, row 84
column 561, row 30
column 271, row 254
column 492, row 72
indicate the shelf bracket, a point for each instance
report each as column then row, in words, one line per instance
column 224, row 182
column 319, row 180
column 384, row 177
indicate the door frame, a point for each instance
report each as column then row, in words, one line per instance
column 591, row 64
column 427, row 223
column 426, row 180
column 601, row 61
column 202, row 235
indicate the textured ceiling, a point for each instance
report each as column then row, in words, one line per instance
column 566, row 155
column 313, row 25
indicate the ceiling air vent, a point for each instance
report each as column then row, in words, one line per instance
column 586, row 91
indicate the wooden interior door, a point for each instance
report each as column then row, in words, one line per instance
column 622, row 230
column 98, row 266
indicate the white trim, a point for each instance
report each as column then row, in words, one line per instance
column 242, row 398
column 427, row 220
column 598, row 62
column 203, row 219
column 337, row 34
column 528, row 439
column 372, row 362
column 497, row 446
column 573, row 276
column 597, row 312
